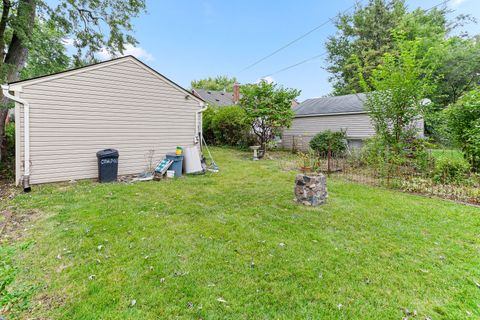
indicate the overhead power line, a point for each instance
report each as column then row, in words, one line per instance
column 293, row 41
column 325, row 53
column 296, row 64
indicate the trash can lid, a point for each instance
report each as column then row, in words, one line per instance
column 173, row 155
column 107, row 153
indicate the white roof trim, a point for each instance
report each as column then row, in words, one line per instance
column 67, row 73
column 329, row 114
column 172, row 84
column 18, row 86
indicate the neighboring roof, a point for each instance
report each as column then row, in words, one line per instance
column 351, row 103
column 99, row 65
column 217, row 98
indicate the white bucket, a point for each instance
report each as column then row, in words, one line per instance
column 170, row 173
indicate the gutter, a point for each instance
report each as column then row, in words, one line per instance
column 26, row 135
column 198, row 131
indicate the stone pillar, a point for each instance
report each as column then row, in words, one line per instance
column 311, row 190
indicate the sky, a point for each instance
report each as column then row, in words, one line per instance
column 195, row 39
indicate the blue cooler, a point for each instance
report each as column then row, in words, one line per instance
column 177, row 164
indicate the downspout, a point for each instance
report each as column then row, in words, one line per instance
column 198, row 132
column 26, row 135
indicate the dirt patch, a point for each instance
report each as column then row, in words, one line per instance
column 7, row 191
column 13, row 225
column 46, row 302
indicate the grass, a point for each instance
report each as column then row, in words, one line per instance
column 235, row 246
column 454, row 154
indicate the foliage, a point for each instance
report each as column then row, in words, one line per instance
column 458, row 69
column 463, row 120
column 47, row 52
column 458, row 61
column 243, row 227
column 219, row 83
column 92, row 25
column 268, row 108
column 368, row 34
column 229, row 126
column 207, row 129
column 335, row 142
column 450, row 170
column 395, row 96
column 12, row 299
column 96, row 25
column 377, row 154
column 364, row 36
column 413, row 157
column 7, row 165
column 10, row 138
column 309, row 161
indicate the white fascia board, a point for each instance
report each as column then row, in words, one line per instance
column 201, row 103
column 66, row 73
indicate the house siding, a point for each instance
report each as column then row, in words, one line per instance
column 358, row 127
column 123, row 106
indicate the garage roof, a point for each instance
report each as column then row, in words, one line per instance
column 351, row 103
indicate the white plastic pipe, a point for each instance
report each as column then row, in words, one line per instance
column 198, row 131
column 26, row 132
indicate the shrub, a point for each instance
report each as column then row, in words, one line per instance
column 325, row 141
column 463, row 119
column 410, row 157
column 207, row 130
column 450, row 170
column 10, row 135
column 416, row 152
column 229, row 126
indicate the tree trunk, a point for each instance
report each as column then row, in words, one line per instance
column 16, row 57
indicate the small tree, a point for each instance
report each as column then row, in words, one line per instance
column 463, row 120
column 268, row 108
column 396, row 94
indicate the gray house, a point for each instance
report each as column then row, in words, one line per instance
column 63, row 119
column 331, row 113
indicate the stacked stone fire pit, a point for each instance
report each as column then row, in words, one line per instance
column 311, row 190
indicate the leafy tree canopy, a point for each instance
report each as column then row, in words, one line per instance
column 458, row 68
column 268, row 108
column 396, row 93
column 92, row 26
column 369, row 33
column 47, row 52
column 219, row 83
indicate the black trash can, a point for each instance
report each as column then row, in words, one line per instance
column 107, row 165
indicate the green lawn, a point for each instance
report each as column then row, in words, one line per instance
column 235, row 246
column 447, row 153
